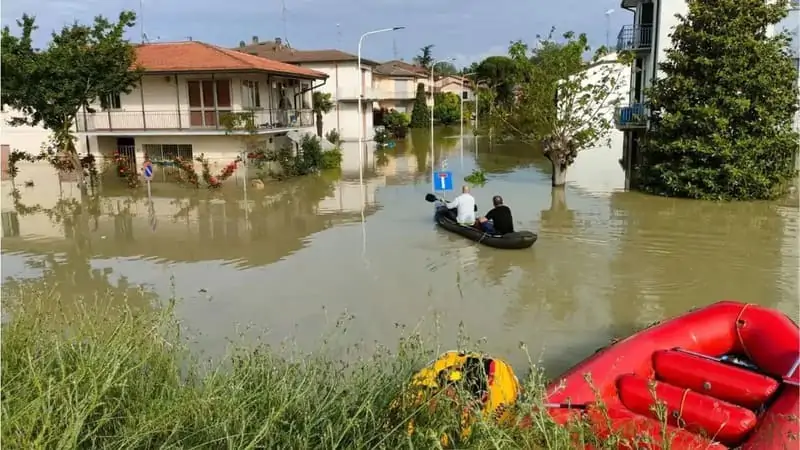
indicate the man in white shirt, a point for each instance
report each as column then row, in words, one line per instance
column 464, row 205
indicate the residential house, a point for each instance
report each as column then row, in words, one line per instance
column 648, row 37
column 396, row 82
column 344, row 82
column 456, row 84
column 178, row 107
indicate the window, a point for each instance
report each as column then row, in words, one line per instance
column 465, row 95
column 113, row 101
column 251, row 97
column 207, row 99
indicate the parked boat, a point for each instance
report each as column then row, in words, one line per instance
column 724, row 376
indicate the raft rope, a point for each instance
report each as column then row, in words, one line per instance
column 679, row 420
column 739, row 324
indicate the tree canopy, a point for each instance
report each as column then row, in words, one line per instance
column 421, row 114
column 447, row 108
column 80, row 65
column 425, row 57
column 499, row 72
column 561, row 101
column 721, row 125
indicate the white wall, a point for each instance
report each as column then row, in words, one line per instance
column 343, row 85
column 26, row 138
column 597, row 169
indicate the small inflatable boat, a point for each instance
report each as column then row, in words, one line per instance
column 511, row 241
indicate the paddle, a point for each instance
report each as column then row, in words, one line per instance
column 430, row 198
column 784, row 379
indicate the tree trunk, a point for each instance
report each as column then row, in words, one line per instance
column 77, row 166
column 559, row 178
column 319, row 125
column 558, row 200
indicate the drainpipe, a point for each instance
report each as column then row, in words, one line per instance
column 307, row 90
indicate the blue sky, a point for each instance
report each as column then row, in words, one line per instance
column 467, row 30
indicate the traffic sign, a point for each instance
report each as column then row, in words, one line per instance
column 444, row 181
column 148, row 170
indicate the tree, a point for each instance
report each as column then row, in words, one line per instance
column 322, row 105
column 500, row 72
column 421, row 114
column 721, row 126
column 425, row 57
column 561, row 102
column 81, row 64
column 447, row 108
column 445, row 68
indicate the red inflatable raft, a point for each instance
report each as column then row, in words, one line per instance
column 707, row 401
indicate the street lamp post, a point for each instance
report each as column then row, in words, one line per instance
column 360, row 97
column 461, row 121
column 433, row 105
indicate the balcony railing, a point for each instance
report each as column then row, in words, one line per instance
column 633, row 116
column 200, row 120
column 635, row 38
column 407, row 94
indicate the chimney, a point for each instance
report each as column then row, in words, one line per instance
column 255, row 39
column 241, row 44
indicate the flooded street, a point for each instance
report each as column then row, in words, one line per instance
column 294, row 256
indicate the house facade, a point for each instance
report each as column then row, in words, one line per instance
column 344, row 83
column 456, row 85
column 180, row 105
column 396, row 82
column 648, row 38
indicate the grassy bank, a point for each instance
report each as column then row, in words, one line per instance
column 101, row 377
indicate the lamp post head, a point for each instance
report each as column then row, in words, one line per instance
column 398, row 28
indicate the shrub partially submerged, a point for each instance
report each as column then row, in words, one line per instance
column 122, row 378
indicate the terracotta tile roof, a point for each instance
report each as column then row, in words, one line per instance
column 277, row 52
column 399, row 68
column 192, row 56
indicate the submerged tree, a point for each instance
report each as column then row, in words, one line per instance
column 81, row 65
column 561, row 101
column 721, row 125
column 421, row 114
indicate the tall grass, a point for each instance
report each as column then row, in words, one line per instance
column 115, row 377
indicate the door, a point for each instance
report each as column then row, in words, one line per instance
column 207, row 100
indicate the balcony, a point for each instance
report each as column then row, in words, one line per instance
column 198, row 122
column 631, row 117
column 635, row 38
column 352, row 94
column 407, row 94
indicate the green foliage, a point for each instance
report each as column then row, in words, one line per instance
column 334, row 137
column 445, row 68
column 381, row 136
column 425, row 57
column 421, row 115
column 323, row 104
column 562, row 102
column 397, row 123
column 80, row 65
column 477, row 177
column 722, row 115
column 309, row 159
column 499, row 72
column 447, row 108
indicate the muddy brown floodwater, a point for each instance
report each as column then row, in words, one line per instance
column 291, row 257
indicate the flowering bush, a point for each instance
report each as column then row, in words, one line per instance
column 216, row 181
column 126, row 170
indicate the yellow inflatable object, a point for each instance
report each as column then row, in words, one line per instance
column 489, row 380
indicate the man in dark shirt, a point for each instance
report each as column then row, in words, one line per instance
column 498, row 220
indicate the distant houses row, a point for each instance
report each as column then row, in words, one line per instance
column 188, row 86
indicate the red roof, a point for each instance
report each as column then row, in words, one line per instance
column 193, row 56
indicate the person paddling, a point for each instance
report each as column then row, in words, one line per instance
column 498, row 220
column 464, row 205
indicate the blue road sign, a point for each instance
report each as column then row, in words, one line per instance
column 148, row 170
column 444, row 181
